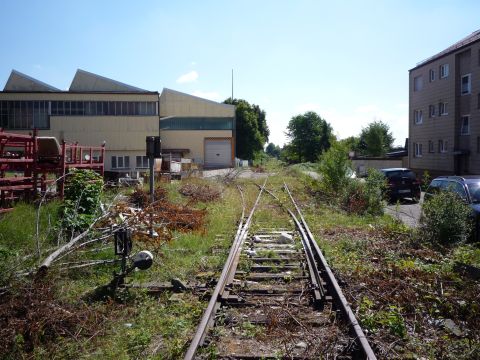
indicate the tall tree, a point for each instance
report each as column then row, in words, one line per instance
column 273, row 150
column 251, row 128
column 375, row 139
column 310, row 135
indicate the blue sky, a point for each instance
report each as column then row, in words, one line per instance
column 346, row 60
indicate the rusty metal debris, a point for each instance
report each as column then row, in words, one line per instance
column 200, row 192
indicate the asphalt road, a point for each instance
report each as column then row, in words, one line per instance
column 406, row 211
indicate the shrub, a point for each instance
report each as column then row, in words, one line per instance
column 446, row 219
column 334, row 168
column 82, row 199
column 364, row 198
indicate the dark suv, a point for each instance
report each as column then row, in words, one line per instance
column 402, row 183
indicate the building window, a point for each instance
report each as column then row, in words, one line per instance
column 430, row 146
column 465, row 125
column 196, row 123
column 418, row 116
column 120, row 162
column 24, row 115
column 466, row 84
column 142, row 162
column 432, row 75
column 442, row 108
column 418, row 149
column 431, row 110
column 442, row 146
column 418, row 83
column 444, row 71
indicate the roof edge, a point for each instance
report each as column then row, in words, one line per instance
column 80, row 71
column 441, row 54
column 198, row 98
column 39, row 82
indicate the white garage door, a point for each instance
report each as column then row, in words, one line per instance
column 218, row 153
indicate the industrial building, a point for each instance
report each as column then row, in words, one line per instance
column 97, row 110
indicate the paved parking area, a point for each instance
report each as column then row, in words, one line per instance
column 406, row 211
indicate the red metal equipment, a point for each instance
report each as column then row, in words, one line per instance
column 25, row 163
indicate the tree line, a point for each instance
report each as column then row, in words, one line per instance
column 309, row 136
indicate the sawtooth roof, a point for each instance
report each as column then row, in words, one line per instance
column 18, row 81
column 87, row 81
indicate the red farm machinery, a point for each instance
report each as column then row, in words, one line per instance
column 30, row 163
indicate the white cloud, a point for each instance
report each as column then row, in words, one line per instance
column 210, row 95
column 188, row 77
column 37, row 66
column 193, row 63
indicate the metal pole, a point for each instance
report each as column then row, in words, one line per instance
column 151, row 160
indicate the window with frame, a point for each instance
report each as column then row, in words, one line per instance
column 444, row 71
column 465, row 125
column 142, row 162
column 121, row 162
column 432, row 75
column 418, row 116
column 466, row 84
column 442, row 108
column 442, row 146
column 418, row 150
column 430, row 146
column 431, row 110
column 418, row 83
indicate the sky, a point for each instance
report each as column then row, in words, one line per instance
column 346, row 60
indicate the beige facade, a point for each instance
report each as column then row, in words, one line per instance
column 174, row 103
column 190, row 110
column 449, row 144
column 104, row 110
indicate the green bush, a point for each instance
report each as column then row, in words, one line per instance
column 335, row 168
column 82, row 199
column 446, row 219
column 364, row 198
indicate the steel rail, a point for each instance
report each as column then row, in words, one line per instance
column 337, row 291
column 230, row 266
column 315, row 278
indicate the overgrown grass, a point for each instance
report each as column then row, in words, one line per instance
column 358, row 248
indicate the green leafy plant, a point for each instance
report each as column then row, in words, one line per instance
column 82, row 199
column 446, row 219
column 365, row 198
column 334, row 168
column 373, row 320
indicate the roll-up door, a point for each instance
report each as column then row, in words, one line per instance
column 218, row 153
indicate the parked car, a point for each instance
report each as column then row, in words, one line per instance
column 402, row 183
column 467, row 188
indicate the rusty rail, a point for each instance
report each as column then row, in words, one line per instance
column 332, row 283
column 227, row 272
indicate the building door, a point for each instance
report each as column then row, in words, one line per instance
column 218, row 153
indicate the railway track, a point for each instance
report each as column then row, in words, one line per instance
column 277, row 297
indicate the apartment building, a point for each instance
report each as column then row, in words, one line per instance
column 444, row 110
column 96, row 109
